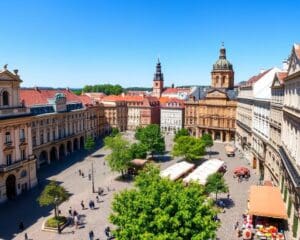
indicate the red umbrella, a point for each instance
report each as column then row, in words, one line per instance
column 241, row 171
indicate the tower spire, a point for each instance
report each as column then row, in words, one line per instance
column 222, row 52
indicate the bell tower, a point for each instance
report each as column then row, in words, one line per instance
column 222, row 75
column 158, row 81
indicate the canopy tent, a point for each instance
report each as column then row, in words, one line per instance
column 266, row 201
column 138, row 162
column 177, row 170
column 204, row 170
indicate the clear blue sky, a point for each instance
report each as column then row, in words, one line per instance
column 62, row 43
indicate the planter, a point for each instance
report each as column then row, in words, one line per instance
column 46, row 228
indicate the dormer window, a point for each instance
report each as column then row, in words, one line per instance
column 5, row 98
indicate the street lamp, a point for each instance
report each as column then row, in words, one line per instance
column 56, row 213
column 93, row 180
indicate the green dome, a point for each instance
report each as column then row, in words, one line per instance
column 222, row 63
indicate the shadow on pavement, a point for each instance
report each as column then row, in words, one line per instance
column 28, row 210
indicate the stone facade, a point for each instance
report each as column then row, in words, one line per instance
column 215, row 112
column 290, row 138
column 17, row 162
column 171, row 116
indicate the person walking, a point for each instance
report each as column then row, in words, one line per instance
column 25, row 236
column 82, row 205
column 97, row 199
column 91, row 235
column 76, row 221
column 70, row 211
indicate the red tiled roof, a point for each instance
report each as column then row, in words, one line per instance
column 86, row 100
column 173, row 103
column 175, row 90
column 95, row 95
column 281, row 76
column 36, row 96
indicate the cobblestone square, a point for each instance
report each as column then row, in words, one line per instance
column 26, row 209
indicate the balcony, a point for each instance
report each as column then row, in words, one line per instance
column 16, row 164
column 8, row 143
column 290, row 167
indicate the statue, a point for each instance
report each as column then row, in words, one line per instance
column 5, row 66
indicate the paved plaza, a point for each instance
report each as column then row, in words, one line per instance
column 26, row 209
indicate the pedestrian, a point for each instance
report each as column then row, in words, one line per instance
column 91, row 235
column 97, row 198
column 107, row 231
column 21, row 226
column 228, row 195
column 25, row 236
column 236, row 225
column 79, row 172
column 75, row 213
column 90, row 177
column 82, row 175
column 76, row 221
column 70, row 211
column 82, row 205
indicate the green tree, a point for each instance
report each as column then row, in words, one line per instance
column 162, row 209
column 190, row 147
column 107, row 89
column 114, row 132
column 89, row 144
column 207, row 139
column 120, row 156
column 182, row 132
column 151, row 137
column 53, row 194
column 138, row 150
column 216, row 184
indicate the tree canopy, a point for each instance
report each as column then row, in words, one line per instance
column 162, row 209
column 108, row 89
column 151, row 138
column 190, row 147
column 207, row 139
column 120, row 156
column 216, row 184
column 89, row 144
column 53, row 194
column 114, row 132
column 138, row 150
column 180, row 133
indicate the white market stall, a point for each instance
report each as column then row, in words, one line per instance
column 201, row 173
column 177, row 170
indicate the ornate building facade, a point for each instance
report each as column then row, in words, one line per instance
column 171, row 115
column 215, row 112
column 60, row 122
column 290, row 138
column 17, row 161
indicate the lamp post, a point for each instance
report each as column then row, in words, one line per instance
column 56, row 213
column 93, row 181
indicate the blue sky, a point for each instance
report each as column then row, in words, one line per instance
column 62, row 43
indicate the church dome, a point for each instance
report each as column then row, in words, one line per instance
column 222, row 63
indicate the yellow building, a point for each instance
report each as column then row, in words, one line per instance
column 17, row 162
column 215, row 112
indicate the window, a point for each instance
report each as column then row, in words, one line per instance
column 5, row 98
column 22, row 134
column 8, row 159
column 7, row 137
column 23, row 154
column 23, row 174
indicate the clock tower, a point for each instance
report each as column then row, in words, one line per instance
column 158, row 81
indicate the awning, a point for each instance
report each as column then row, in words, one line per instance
column 266, row 201
column 139, row 162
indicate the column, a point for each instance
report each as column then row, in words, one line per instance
column 1, row 147
column 17, row 143
column 221, row 135
column 29, row 139
column 213, row 135
column 48, row 157
column 227, row 136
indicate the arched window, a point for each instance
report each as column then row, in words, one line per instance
column 5, row 99
column 223, row 80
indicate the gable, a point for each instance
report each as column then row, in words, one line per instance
column 216, row 94
column 276, row 82
column 294, row 64
column 8, row 76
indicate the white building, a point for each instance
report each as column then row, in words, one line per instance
column 261, row 118
column 171, row 116
column 182, row 93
